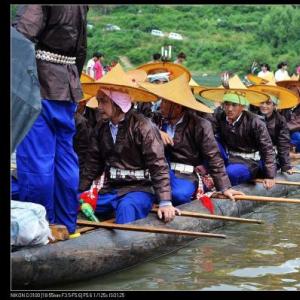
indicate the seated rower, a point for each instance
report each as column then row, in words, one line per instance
column 293, row 115
column 128, row 151
column 189, row 141
column 280, row 98
column 244, row 135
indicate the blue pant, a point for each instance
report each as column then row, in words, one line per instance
column 238, row 173
column 128, row 208
column 47, row 166
column 182, row 189
column 14, row 188
column 295, row 140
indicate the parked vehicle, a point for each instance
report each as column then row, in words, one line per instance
column 112, row 27
column 157, row 32
column 175, row 36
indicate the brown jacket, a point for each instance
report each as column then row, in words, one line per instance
column 195, row 144
column 292, row 117
column 280, row 136
column 61, row 30
column 138, row 146
column 248, row 135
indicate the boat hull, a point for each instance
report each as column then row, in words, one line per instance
column 103, row 251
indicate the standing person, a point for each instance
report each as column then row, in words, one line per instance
column 244, row 135
column 127, row 152
column 181, row 57
column 282, row 73
column 156, row 58
column 47, row 165
column 98, row 68
column 265, row 73
column 90, row 70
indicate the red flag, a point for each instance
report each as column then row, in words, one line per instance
column 90, row 198
column 206, row 202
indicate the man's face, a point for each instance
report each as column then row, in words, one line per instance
column 267, row 107
column 232, row 110
column 166, row 107
column 105, row 107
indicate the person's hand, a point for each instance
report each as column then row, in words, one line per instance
column 230, row 193
column 268, row 183
column 168, row 213
column 166, row 138
column 290, row 171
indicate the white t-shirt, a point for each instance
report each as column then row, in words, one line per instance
column 90, row 68
column 281, row 75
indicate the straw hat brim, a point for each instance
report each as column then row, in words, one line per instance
column 175, row 70
column 86, row 97
column 116, row 79
column 92, row 103
column 218, row 95
column 86, row 78
column 137, row 75
column 286, row 98
column 177, row 91
column 292, row 85
column 255, row 79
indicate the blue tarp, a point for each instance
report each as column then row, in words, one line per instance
column 25, row 87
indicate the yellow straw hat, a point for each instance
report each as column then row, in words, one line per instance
column 177, row 91
column 175, row 70
column 286, row 98
column 237, row 92
column 292, row 85
column 255, row 79
column 295, row 77
column 86, row 78
column 116, row 79
column 92, row 103
column 137, row 75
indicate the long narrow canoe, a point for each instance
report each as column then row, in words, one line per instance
column 102, row 251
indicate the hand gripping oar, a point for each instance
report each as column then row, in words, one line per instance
column 151, row 229
column 281, row 182
column 258, row 198
column 215, row 217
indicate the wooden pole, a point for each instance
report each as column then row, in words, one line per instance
column 296, row 171
column 149, row 229
column 259, row 198
column 214, row 217
column 281, row 182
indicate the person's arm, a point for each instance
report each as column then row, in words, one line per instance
column 31, row 20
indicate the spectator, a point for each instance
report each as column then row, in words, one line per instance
column 265, row 72
column 91, row 64
column 98, row 68
column 181, row 57
column 156, row 57
column 282, row 73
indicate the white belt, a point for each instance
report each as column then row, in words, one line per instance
column 55, row 58
column 123, row 174
column 254, row 155
column 182, row 168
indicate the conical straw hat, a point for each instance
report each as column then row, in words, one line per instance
column 286, row 98
column 175, row 70
column 137, row 75
column 92, row 103
column 292, row 85
column 255, row 79
column 177, row 91
column 116, row 79
column 295, row 77
column 193, row 82
column 86, row 78
column 86, row 97
column 240, row 93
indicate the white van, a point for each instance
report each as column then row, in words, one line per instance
column 157, row 32
column 175, row 36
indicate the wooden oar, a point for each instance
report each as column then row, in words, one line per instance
column 296, row 172
column 281, row 182
column 149, row 229
column 215, row 217
column 259, row 198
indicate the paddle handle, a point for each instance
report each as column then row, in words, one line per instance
column 214, row 217
column 149, row 229
column 281, row 182
column 262, row 199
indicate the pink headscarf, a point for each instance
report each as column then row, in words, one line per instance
column 121, row 99
column 298, row 70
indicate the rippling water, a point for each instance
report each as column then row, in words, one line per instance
column 253, row 257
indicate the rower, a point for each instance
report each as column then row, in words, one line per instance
column 280, row 98
column 190, row 142
column 244, row 135
column 128, row 153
